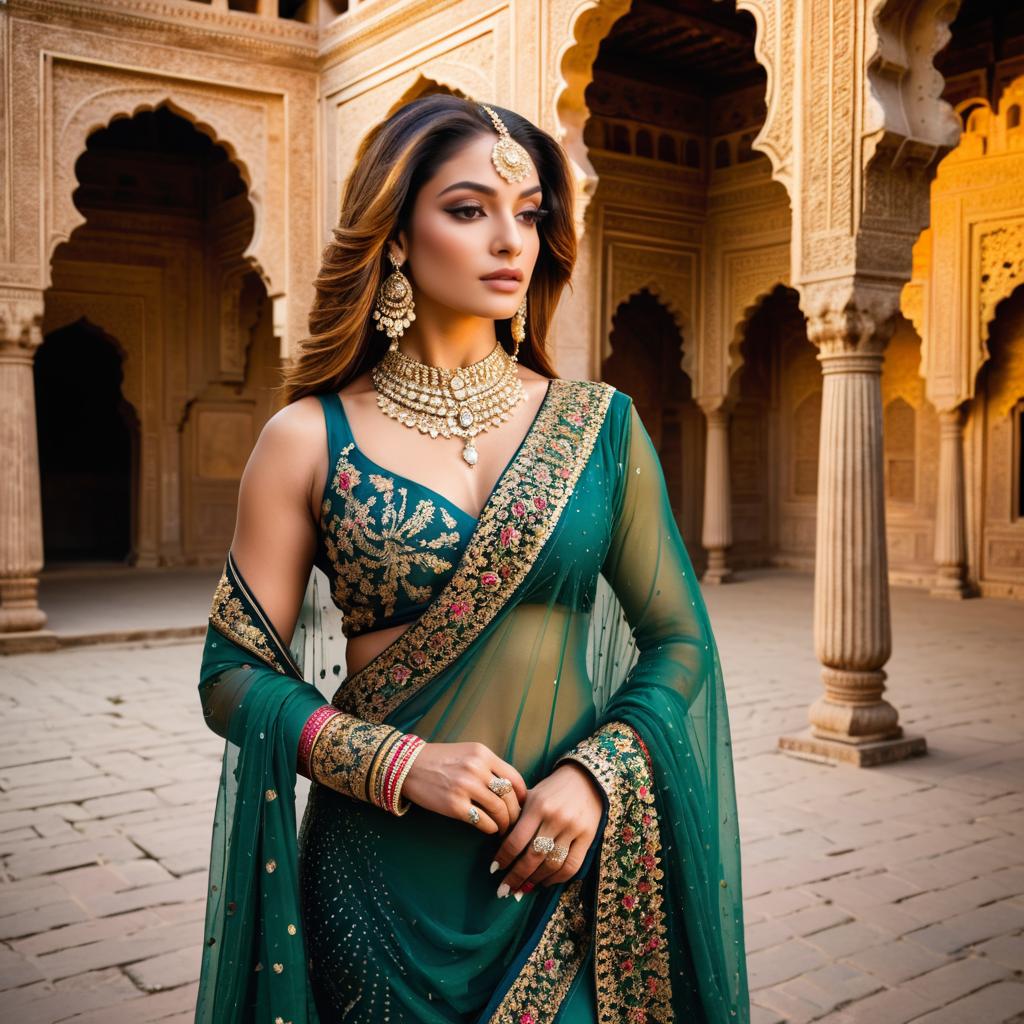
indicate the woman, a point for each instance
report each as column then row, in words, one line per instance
column 533, row 705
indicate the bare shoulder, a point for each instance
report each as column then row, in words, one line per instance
column 291, row 443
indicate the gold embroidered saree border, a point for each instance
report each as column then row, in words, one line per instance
column 513, row 528
column 632, row 970
column 536, row 996
column 236, row 614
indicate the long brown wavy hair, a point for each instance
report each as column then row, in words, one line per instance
column 393, row 163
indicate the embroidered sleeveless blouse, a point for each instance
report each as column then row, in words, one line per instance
column 387, row 544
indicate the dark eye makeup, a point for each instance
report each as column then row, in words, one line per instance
column 536, row 215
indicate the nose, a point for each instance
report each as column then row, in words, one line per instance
column 509, row 238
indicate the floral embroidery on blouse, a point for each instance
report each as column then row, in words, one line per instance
column 375, row 543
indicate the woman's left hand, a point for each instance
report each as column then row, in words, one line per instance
column 567, row 807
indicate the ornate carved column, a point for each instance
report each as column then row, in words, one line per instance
column 851, row 721
column 950, row 527
column 717, row 532
column 21, row 525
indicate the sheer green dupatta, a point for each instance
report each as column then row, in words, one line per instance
column 670, row 862
column 253, row 694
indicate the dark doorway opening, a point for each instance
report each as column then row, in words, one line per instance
column 88, row 448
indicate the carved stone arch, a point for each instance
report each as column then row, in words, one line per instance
column 675, row 309
column 773, row 41
column 906, row 120
column 734, row 351
column 218, row 117
column 586, row 24
column 1001, row 275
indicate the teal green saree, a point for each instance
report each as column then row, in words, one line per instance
column 572, row 627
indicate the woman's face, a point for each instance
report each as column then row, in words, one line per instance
column 468, row 222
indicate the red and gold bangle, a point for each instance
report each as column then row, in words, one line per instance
column 400, row 769
column 310, row 734
column 389, row 765
column 390, row 770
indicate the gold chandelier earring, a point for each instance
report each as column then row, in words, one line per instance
column 519, row 327
column 395, row 307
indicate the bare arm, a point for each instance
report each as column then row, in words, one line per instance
column 275, row 530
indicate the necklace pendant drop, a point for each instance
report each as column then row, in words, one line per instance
column 469, row 452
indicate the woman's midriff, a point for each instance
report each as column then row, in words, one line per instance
column 361, row 650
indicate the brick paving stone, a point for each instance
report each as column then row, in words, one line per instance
column 1007, row 950
column 996, row 1004
column 895, row 962
column 843, row 939
column 166, row 971
column 782, row 962
column 833, row 986
column 964, row 930
column 958, row 979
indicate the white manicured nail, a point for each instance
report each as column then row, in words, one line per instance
column 518, row 896
column 494, row 866
column 503, row 890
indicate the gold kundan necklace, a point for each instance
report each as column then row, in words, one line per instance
column 450, row 403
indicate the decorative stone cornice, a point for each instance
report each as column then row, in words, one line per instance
column 191, row 25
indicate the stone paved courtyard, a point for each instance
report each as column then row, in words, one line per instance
column 882, row 895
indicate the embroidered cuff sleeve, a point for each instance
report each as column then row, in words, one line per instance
column 355, row 757
column 604, row 752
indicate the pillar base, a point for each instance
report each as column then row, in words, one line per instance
column 951, row 586
column 808, row 747
column 28, row 641
column 723, row 575
column 717, row 570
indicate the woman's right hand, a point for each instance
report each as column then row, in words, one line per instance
column 450, row 777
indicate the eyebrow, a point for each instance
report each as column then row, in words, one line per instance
column 485, row 189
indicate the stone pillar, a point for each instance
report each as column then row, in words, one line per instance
column 851, row 722
column 21, row 524
column 950, row 529
column 717, row 532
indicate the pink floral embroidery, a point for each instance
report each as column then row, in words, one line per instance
column 489, row 579
column 647, row 819
column 526, row 1018
column 519, row 508
column 504, row 571
column 629, row 902
column 509, row 536
column 627, row 965
column 549, row 964
column 575, row 417
column 418, row 658
column 563, row 472
column 648, row 861
column 540, row 503
column 400, row 673
column 628, row 835
column 653, row 942
column 542, row 475
column 458, row 609
column 344, row 480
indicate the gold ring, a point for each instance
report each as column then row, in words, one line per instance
column 543, row 844
column 499, row 785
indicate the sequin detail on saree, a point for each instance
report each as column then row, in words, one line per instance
column 513, row 527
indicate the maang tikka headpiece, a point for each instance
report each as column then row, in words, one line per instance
column 510, row 159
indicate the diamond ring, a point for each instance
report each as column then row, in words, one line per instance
column 543, row 844
column 499, row 785
column 474, row 815
column 557, row 854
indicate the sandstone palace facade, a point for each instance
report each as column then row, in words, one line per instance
column 802, row 252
